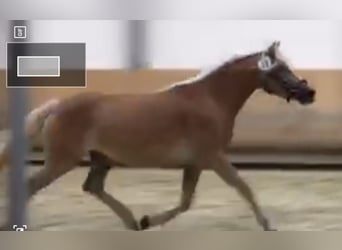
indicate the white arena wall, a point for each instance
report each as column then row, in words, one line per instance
column 309, row 44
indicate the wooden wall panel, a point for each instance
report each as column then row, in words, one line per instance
column 266, row 121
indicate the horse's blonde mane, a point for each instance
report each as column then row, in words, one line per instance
column 203, row 73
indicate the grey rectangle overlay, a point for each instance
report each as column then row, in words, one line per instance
column 38, row 66
column 46, row 65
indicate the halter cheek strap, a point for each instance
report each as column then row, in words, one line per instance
column 265, row 65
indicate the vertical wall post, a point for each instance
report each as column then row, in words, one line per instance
column 137, row 40
column 17, row 111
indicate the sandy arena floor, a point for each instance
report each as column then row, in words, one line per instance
column 295, row 201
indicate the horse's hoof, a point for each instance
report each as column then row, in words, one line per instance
column 144, row 223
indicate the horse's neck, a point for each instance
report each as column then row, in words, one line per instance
column 231, row 89
column 229, row 85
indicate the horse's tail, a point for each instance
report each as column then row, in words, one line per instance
column 34, row 122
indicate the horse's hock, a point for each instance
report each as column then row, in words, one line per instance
column 266, row 121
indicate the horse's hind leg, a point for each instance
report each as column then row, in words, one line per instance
column 46, row 176
column 191, row 176
column 94, row 184
column 56, row 165
column 38, row 181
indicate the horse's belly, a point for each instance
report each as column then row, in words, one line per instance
column 180, row 153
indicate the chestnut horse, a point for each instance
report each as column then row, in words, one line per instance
column 187, row 125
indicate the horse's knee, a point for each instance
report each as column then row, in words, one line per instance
column 185, row 206
column 87, row 186
column 93, row 185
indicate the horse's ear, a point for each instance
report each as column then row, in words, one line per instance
column 276, row 44
column 272, row 50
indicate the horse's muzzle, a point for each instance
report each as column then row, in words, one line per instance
column 306, row 96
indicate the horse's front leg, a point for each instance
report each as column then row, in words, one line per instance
column 229, row 174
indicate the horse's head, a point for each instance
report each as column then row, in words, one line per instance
column 277, row 78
